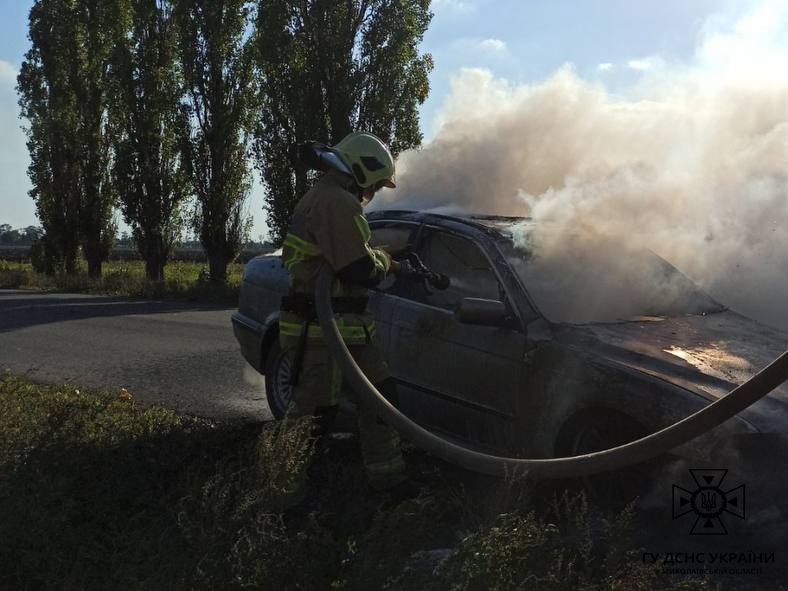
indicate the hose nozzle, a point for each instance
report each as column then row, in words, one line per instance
column 438, row 281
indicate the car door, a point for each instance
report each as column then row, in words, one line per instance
column 460, row 379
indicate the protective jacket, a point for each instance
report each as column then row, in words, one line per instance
column 329, row 225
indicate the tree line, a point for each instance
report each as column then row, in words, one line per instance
column 162, row 109
column 29, row 235
column 19, row 236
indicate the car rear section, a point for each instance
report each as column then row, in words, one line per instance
column 255, row 323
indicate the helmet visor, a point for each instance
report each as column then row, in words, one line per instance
column 385, row 183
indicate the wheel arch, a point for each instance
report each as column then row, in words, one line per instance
column 588, row 415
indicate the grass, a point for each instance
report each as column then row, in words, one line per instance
column 97, row 492
column 182, row 280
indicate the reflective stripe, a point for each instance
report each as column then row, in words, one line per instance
column 294, row 259
column 301, row 245
column 293, row 329
column 381, row 260
column 301, row 250
column 363, row 227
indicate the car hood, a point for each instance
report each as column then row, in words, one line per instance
column 709, row 354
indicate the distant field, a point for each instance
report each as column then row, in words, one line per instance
column 184, row 280
column 22, row 254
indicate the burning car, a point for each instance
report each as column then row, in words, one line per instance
column 540, row 352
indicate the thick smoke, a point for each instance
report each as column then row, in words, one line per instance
column 690, row 161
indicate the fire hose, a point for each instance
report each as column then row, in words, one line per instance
column 614, row 458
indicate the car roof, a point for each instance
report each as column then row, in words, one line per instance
column 495, row 224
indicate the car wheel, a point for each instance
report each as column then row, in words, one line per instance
column 278, row 367
column 600, row 429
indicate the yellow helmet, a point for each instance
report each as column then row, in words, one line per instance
column 368, row 158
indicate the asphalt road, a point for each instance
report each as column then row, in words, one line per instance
column 179, row 355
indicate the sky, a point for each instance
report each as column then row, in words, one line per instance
column 612, row 42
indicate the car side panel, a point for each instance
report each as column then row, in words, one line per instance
column 567, row 381
column 460, row 379
column 265, row 281
column 256, row 322
column 249, row 334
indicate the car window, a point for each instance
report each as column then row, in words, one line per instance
column 393, row 238
column 609, row 283
column 396, row 239
column 464, row 263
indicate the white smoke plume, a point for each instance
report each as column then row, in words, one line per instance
column 691, row 161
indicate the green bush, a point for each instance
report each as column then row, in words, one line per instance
column 183, row 280
column 97, row 492
column 14, row 275
column 568, row 548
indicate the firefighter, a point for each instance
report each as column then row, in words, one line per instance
column 328, row 225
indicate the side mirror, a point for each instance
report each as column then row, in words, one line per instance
column 482, row 312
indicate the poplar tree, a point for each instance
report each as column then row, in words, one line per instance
column 150, row 123
column 215, row 54
column 49, row 103
column 63, row 95
column 329, row 68
column 95, row 23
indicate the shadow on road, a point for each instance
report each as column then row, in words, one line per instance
column 19, row 310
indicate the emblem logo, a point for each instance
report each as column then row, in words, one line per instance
column 708, row 502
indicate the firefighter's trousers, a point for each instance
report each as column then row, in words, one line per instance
column 320, row 387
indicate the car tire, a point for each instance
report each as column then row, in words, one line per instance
column 599, row 429
column 278, row 366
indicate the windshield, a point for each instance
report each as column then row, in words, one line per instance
column 576, row 284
